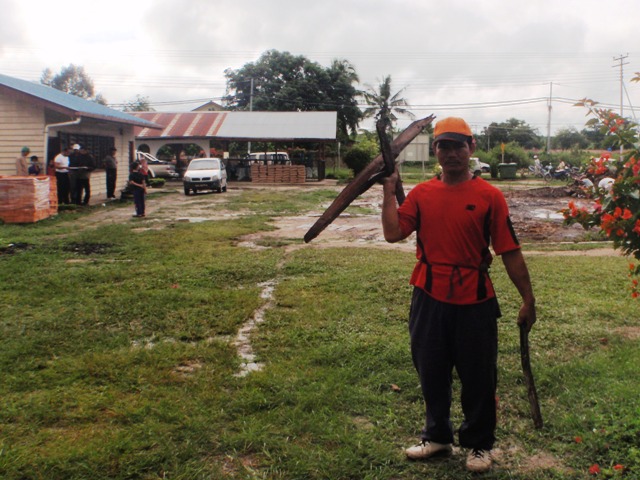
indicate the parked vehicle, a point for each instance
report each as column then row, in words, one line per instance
column 205, row 174
column 270, row 158
column 157, row 168
column 477, row 167
column 541, row 172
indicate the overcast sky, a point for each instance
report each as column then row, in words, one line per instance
column 483, row 60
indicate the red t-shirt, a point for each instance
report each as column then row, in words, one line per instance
column 455, row 225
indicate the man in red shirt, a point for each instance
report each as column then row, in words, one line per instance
column 454, row 311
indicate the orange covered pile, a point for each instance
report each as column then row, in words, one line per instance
column 27, row 199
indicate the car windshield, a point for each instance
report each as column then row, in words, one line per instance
column 209, row 164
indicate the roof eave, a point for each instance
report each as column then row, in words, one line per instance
column 143, row 124
column 73, row 113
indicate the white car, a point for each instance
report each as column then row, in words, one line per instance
column 205, row 174
column 477, row 167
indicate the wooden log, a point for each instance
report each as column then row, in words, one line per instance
column 365, row 179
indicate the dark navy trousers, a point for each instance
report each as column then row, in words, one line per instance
column 445, row 336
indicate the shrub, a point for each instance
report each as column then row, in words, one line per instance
column 513, row 153
column 617, row 209
column 357, row 159
column 157, row 182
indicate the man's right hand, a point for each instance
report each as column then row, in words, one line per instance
column 389, row 183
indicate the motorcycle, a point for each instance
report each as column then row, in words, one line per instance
column 541, row 172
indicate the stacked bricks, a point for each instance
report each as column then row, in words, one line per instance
column 277, row 173
column 27, row 199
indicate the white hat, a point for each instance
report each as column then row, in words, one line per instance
column 76, row 147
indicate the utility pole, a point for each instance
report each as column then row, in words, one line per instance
column 250, row 109
column 621, row 59
column 549, row 118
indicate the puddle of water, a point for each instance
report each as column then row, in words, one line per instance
column 192, row 219
column 546, row 214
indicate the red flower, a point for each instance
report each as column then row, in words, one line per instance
column 594, row 469
column 607, row 223
column 618, row 467
column 626, row 214
column 578, row 439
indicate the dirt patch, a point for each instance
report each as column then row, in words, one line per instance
column 88, row 248
column 536, row 218
column 13, row 248
column 630, row 333
column 535, row 214
column 514, row 458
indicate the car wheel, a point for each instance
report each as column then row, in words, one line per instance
column 186, row 190
column 224, row 189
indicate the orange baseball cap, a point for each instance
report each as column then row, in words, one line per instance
column 452, row 128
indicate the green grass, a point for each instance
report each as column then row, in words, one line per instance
column 117, row 358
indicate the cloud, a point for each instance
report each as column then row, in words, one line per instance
column 445, row 53
column 12, row 29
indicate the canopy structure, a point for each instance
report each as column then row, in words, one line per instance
column 200, row 127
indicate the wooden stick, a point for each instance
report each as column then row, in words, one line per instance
column 528, row 376
column 365, row 179
column 388, row 159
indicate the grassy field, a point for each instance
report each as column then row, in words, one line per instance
column 118, row 360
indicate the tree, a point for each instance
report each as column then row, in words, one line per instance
column 384, row 105
column 139, row 104
column 594, row 137
column 342, row 77
column 280, row 81
column 74, row 80
column 512, row 130
column 568, row 138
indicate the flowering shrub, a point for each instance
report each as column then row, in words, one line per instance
column 616, row 209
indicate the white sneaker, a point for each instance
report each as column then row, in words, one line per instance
column 427, row 449
column 479, row 460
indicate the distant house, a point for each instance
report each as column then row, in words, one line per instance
column 45, row 119
column 210, row 106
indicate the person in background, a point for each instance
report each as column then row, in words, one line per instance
column 111, row 168
column 181, row 163
column 139, row 189
column 74, row 165
column 537, row 165
column 34, row 167
column 22, row 162
column 454, row 310
column 61, row 163
column 51, row 168
column 86, row 165
column 144, row 169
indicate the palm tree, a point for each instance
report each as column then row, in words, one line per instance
column 384, row 106
column 342, row 77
